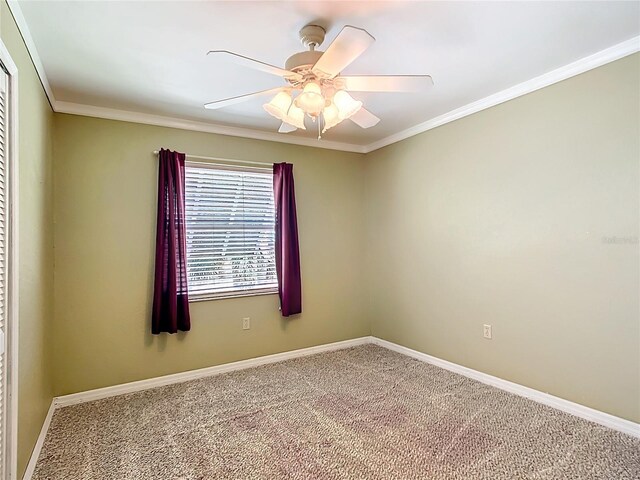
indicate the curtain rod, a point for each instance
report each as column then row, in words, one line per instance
column 247, row 162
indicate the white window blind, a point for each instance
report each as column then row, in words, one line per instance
column 230, row 231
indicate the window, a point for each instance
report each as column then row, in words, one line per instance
column 230, row 231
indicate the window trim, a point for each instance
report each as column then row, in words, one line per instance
column 253, row 292
column 205, row 297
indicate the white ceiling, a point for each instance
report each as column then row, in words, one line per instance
column 150, row 57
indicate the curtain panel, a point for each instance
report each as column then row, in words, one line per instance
column 287, row 249
column 170, row 293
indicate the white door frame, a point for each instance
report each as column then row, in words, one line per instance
column 11, row 447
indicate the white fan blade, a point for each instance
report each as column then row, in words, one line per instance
column 364, row 118
column 239, row 99
column 255, row 64
column 386, row 83
column 286, row 128
column 347, row 46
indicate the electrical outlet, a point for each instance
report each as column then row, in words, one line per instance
column 246, row 323
column 487, row 331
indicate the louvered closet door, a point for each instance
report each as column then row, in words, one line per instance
column 3, row 270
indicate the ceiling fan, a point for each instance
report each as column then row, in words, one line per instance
column 315, row 87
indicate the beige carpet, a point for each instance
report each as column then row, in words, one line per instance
column 362, row 413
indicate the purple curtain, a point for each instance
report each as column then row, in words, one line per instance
column 287, row 252
column 170, row 294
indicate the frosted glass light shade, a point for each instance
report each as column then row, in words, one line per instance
column 347, row 106
column 295, row 117
column 331, row 117
column 279, row 105
column 311, row 99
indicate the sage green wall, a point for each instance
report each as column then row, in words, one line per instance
column 105, row 210
column 496, row 218
column 499, row 218
column 35, row 267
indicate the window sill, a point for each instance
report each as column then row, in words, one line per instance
column 205, row 297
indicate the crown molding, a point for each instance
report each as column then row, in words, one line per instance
column 158, row 120
column 575, row 68
column 572, row 69
column 585, row 64
column 173, row 122
column 23, row 28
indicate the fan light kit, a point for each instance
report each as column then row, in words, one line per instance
column 315, row 89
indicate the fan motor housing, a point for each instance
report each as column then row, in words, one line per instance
column 302, row 60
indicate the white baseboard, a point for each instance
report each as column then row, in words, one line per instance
column 35, row 454
column 596, row 416
column 97, row 394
